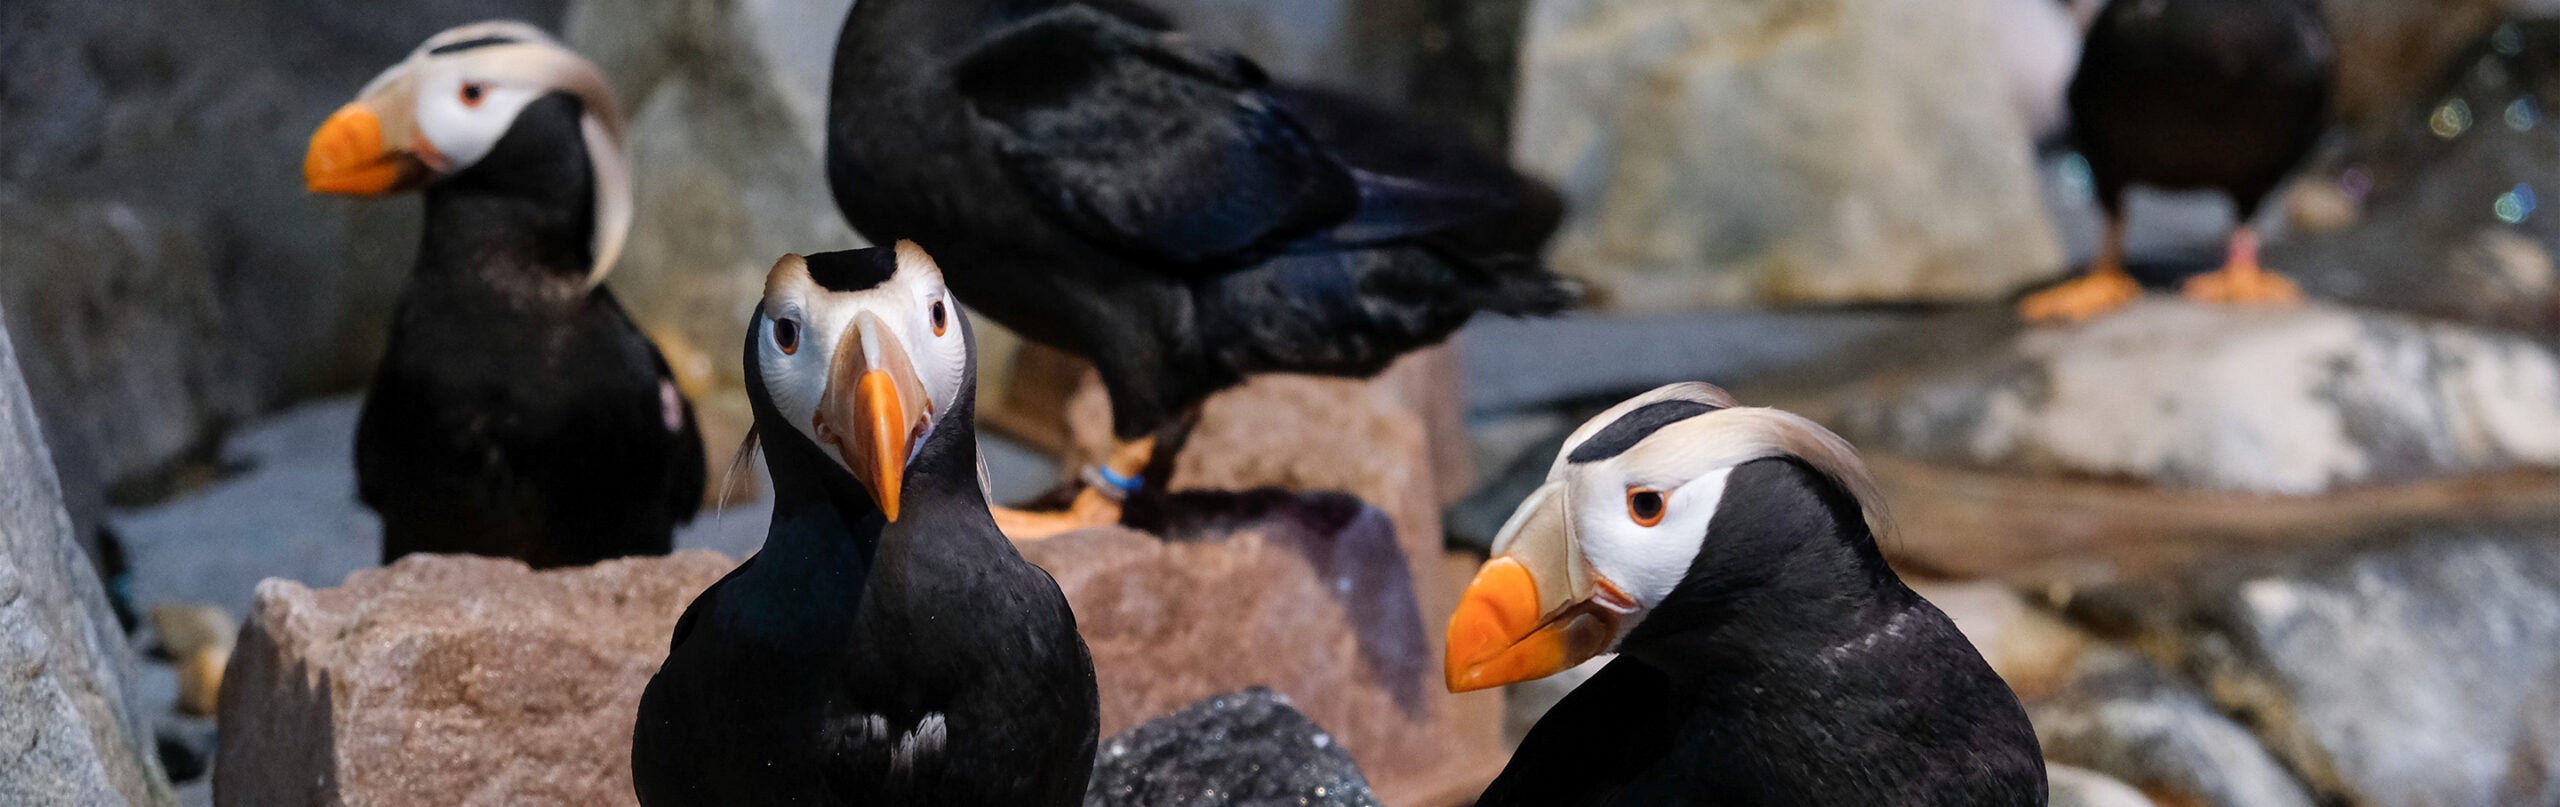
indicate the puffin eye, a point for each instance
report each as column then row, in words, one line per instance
column 1644, row 505
column 786, row 335
column 473, row 93
column 941, row 318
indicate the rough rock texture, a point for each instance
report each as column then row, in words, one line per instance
column 1301, row 612
column 2128, row 718
column 71, row 729
column 2213, row 398
column 2425, row 671
column 2451, row 222
column 1247, row 749
column 1395, row 442
column 450, row 680
column 1780, row 151
column 168, row 270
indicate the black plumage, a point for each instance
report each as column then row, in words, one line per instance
column 2226, row 95
column 1789, row 666
column 518, row 412
column 1119, row 191
column 858, row 660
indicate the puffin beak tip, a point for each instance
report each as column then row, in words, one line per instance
column 348, row 156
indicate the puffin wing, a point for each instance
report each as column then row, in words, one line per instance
column 1147, row 143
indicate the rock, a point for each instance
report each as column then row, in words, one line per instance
column 1324, row 615
column 2190, row 396
column 71, row 726
column 2450, row 190
column 1248, row 749
column 2422, row 670
column 1780, row 151
column 2128, row 718
column 169, row 272
column 2081, row 787
column 449, row 679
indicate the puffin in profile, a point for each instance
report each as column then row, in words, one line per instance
column 888, row 645
column 2226, row 95
column 1112, row 188
column 517, row 411
column 1767, row 655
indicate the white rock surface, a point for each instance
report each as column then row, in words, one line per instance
column 1781, row 151
column 71, row 730
column 2217, row 398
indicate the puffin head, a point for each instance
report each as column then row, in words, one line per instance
column 860, row 352
column 451, row 104
column 1627, row 510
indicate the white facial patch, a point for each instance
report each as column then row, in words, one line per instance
column 462, row 116
column 1644, row 562
column 904, row 305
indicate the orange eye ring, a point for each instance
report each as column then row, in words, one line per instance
column 1646, row 506
column 473, row 93
column 941, row 318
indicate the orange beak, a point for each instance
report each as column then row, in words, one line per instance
column 348, row 156
column 873, row 410
column 1536, row 608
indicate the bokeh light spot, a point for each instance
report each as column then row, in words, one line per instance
column 2522, row 114
column 2452, row 118
column 2516, row 205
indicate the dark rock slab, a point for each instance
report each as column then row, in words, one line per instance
column 71, row 727
column 1247, row 749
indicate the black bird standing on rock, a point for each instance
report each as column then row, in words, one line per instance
column 1767, row 655
column 1101, row 184
column 887, row 646
column 2226, row 95
column 517, row 411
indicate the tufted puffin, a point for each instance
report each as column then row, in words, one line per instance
column 1112, row 188
column 2225, row 95
column 1767, row 655
column 517, row 411
column 888, row 645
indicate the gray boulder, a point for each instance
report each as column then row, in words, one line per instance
column 70, row 728
column 2425, row 671
column 1781, row 151
column 2193, row 396
column 1248, row 749
column 2128, row 718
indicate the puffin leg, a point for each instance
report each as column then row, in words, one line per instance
column 2106, row 287
column 1093, row 505
column 2242, row 279
column 1146, row 463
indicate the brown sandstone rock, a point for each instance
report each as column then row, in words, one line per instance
column 1394, row 441
column 449, row 680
